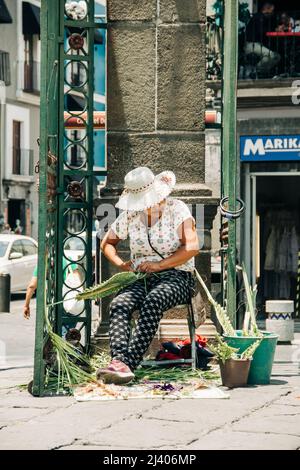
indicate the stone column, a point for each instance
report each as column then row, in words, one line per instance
column 156, row 104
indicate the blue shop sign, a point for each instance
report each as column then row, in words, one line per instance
column 268, row 148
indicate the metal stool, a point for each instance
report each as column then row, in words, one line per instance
column 192, row 331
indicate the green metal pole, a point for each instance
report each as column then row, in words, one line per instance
column 229, row 154
column 46, row 292
column 38, row 378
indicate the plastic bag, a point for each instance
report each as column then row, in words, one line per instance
column 70, row 290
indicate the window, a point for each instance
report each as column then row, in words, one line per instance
column 17, row 247
column 31, row 65
column 4, row 68
column 28, row 63
column 3, row 248
column 16, row 145
column 31, row 32
column 29, row 248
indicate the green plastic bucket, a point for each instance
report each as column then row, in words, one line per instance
column 263, row 358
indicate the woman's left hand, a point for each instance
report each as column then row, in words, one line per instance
column 149, row 267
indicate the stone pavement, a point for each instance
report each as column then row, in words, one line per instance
column 265, row 417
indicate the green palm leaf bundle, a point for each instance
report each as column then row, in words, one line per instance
column 172, row 374
column 224, row 352
column 221, row 313
column 248, row 353
column 113, row 285
column 71, row 366
column 250, row 316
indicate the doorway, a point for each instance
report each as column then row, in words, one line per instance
column 272, row 235
column 16, row 211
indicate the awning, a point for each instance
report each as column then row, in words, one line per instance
column 31, row 19
column 4, row 13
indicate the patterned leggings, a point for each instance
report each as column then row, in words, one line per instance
column 161, row 292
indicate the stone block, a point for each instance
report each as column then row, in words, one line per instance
column 181, row 77
column 132, row 10
column 181, row 153
column 131, row 72
column 179, row 11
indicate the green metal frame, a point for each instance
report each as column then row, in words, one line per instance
column 229, row 145
column 56, row 206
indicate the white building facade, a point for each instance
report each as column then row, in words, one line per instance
column 19, row 114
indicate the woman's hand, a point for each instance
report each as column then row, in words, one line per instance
column 126, row 266
column 26, row 312
column 149, row 267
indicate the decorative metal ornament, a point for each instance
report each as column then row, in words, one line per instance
column 76, row 41
column 75, row 189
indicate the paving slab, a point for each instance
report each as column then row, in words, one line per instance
column 146, row 434
column 226, row 439
column 63, row 426
column 12, row 416
column 268, row 420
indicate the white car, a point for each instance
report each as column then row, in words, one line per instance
column 18, row 257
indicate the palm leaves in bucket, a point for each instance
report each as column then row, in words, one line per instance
column 221, row 313
column 224, row 351
column 250, row 315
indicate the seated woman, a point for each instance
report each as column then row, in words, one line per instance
column 163, row 243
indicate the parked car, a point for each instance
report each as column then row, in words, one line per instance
column 18, row 257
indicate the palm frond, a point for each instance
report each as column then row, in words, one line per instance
column 221, row 313
column 110, row 286
column 248, row 353
column 251, row 293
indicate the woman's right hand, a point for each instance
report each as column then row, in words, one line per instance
column 26, row 312
column 126, row 266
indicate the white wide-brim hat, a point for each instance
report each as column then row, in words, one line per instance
column 142, row 189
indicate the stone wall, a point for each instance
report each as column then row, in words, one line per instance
column 156, row 101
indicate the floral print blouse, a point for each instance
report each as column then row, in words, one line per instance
column 164, row 235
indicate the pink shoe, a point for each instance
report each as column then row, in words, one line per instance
column 115, row 373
